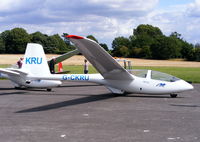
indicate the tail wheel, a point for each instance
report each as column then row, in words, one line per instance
column 173, row 95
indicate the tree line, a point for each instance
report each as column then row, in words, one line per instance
column 146, row 42
column 149, row 42
column 14, row 42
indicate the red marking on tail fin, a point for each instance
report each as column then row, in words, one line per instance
column 74, row 37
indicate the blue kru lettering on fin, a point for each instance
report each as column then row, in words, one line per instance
column 39, row 60
column 27, row 61
column 33, row 60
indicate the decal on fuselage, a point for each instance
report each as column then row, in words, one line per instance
column 160, row 85
column 76, row 77
column 33, row 60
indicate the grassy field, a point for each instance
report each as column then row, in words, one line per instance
column 79, row 60
column 189, row 74
column 189, row 71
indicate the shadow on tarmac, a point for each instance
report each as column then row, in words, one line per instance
column 150, row 96
column 68, row 103
column 87, row 99
column 12, row 93
column 185, row 105
column 7, row 89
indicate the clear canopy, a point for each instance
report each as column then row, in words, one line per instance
column 163, row 76
column 154, row 75
column 139, row 73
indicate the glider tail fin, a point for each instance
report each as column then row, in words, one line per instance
column 35, row 60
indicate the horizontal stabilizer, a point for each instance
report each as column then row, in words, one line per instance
column 8, row 72
column 18, row 71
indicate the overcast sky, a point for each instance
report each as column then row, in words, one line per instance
column 105, row 19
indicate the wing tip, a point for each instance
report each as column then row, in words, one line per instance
column 74, row 37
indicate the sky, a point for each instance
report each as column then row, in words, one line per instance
column 104, row 19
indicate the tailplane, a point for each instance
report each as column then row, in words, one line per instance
column 35, row 61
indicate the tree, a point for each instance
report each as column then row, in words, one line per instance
column 5, row 39
column 176, row 44
column 92, row 38
column 163, row 48
column 142, row 39
column 40, row 38
column 175, row 35
column 147, row 30
column 187, row 51
column 2, row 45
column 51, row 44
column 146, row 52
column 16, row 40
column 104, row 46
column 57, row 43
column 135, row 52
column 197, row 54
column 124, row 51
column 120, row 42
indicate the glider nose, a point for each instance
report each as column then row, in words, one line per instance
column 187, row 86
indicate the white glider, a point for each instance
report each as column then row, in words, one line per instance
column 118, row 80
column 35, row 72
column 35, row 63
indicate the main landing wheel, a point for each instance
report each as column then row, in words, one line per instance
column 173, row 95
column 49, row 89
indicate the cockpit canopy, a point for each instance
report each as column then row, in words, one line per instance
column 154, row 75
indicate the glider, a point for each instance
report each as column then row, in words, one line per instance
column 35, row 72
column 118, row 80
column 35, row 63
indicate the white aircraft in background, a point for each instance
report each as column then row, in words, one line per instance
column 35, row 72
column 35, row 64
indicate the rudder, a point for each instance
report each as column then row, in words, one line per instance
column 35, row 60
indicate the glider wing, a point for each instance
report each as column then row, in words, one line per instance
column 108, row 67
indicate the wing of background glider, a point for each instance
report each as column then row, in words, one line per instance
column 65, row 56
column 100, row 59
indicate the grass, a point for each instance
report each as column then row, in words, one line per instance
column 5, row 66
column 78, row 69
column 187, row 73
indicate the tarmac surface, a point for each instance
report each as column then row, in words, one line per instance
column 86, row 112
